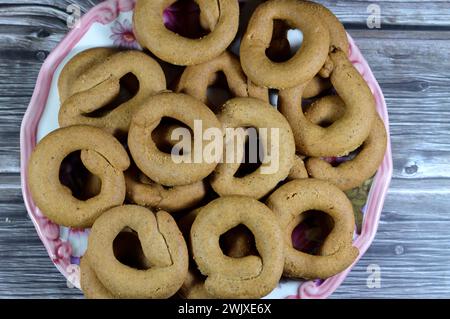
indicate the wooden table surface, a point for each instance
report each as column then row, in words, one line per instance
column 410, row 56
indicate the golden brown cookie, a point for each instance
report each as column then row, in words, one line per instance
column 127, row 249
column 78, row 65
column 237, row 243
column 143, row 191
column 304, row 65
column 249, row 112
column 338, row 35
column 247, row 277
column 196, row 79
column 100, row 85
column 157, row 165
column 101, row 154
column 338, row 39
column 295, row 198
column 162, row 244
column 356, row 171
column 344, row 135
column 175, row 49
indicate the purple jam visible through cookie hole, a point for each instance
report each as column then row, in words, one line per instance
column 183, row 18
column 128, row 250
column 308, row 236
column 74, row 175
column 336, row 161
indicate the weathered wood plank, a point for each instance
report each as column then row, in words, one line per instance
column 411, row 249
column 33, row 5
column 393, row 14
column 396, row 13
column 26, row 270
column 413, row 76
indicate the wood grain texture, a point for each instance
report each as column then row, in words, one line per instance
column 396, row 14
column 410, row 56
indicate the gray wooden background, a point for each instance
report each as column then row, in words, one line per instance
column 410, row 56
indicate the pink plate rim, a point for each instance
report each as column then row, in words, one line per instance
column 107, row 12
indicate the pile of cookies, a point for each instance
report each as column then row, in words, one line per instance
column 199, row 229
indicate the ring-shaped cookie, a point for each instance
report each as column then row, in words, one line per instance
column 127, row 248
column 293, row 199
column 344, row 135
column 143, row 191
column 100, row 85
column 280, row 49
column 338, row 39
column 230, row 277
column 236, row 244
column 196, row 79
column 159, row 166
column 175, row 49
column 162, row 244
column 250, row 112
column 101, row 154
column 304, row 65
column 78, row 65
column 356, row 171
